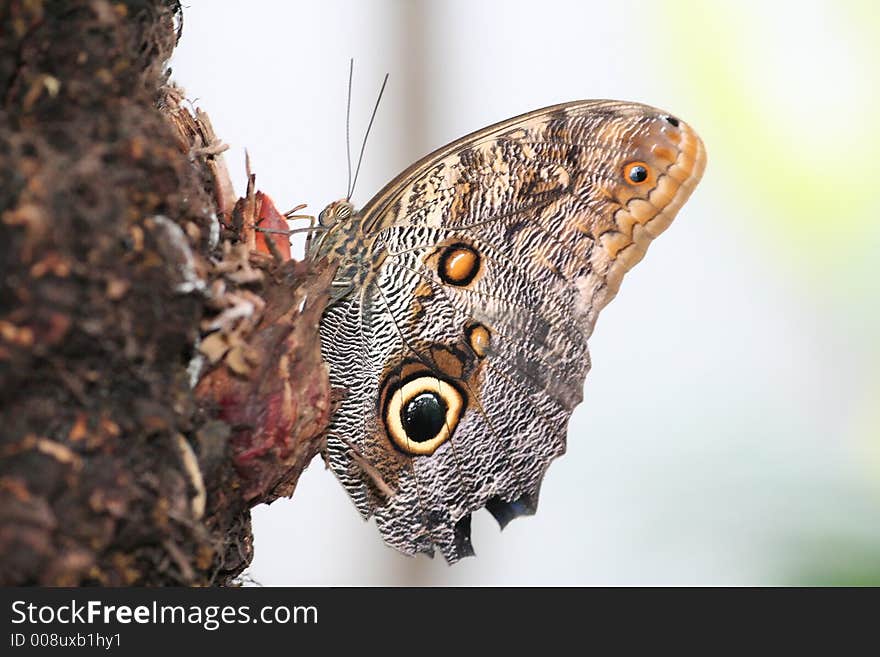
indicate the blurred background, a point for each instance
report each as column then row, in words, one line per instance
column 730, row 432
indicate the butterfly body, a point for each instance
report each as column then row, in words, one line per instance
column 468, row 289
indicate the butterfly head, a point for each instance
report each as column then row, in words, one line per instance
column 339, row 238
column 335, row 213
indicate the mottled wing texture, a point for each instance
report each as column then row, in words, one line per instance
column 476, row 278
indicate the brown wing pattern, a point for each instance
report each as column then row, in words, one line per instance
column 476, row 278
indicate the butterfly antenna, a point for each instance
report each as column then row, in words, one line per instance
column 348, row 123
column 364, row 145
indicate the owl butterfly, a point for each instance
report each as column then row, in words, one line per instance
column 467, row 290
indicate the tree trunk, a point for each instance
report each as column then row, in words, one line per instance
column 160, row 371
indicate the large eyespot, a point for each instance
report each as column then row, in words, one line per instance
column 636, row 173
column 459, row 264
column 422, row 413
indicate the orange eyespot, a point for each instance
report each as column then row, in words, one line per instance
column 636, row 173
column 479, row 339
column 459, row 264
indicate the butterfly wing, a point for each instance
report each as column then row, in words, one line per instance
column 478, row 277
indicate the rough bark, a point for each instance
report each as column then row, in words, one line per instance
column 159, row 365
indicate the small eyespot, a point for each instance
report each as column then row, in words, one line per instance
column 636, row 172
column 671, row 120
column 478, row 338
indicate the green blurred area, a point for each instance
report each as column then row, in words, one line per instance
column 837, row 561
column 798, row 83
column 791, row 94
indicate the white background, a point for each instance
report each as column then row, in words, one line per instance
column 715, row 442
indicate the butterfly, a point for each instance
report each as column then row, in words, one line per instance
column 466, row 292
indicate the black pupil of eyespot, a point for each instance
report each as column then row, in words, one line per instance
column 638, row 173
column 423, row 416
